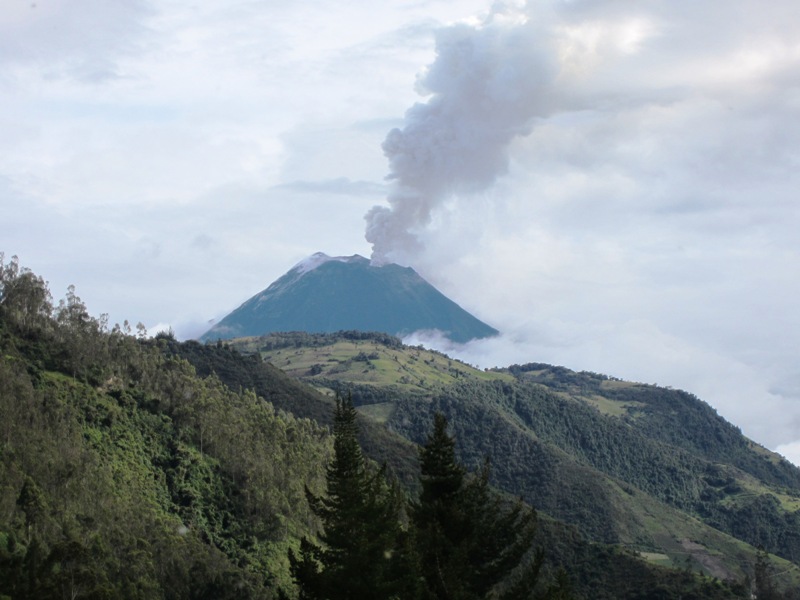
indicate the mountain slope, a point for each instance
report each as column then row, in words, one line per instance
column 125, row 475
column 596, row 570
column 654, row 469
column 238, row 371
column 327, row 294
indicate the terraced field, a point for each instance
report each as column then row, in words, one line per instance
column 412, row 370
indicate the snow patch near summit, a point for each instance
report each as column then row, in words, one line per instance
column 320, row 258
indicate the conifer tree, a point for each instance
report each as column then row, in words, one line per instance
column 439, row 518
column 364, row 551
column 469, row 538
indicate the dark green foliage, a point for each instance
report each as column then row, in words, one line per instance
column 124, row 475
column 670, row 416
column 562, row 443
column 304, row 339
column 763, row 578
column 469, row 539
column 364, row 395
column 602, row 572
column 25, row 301
column 596, row 451
column 760, row 520
column 439, row 518
column 248, row 372
column 363, row 552
column 522, row 465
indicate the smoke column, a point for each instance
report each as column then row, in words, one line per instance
column 486, row 86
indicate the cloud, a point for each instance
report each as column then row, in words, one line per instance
column 636, row 216
column 656, row 98
column 790, row 452
column 611, row 184
column 339, row 186
column 80, row 39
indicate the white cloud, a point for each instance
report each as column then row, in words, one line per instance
column 171, row 159
column 79, row 39
column 790, row 451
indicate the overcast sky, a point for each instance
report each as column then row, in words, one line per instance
column 612, row 184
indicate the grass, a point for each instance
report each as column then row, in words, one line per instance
column 752, row 487
column 657, row 558
column 617, row 384
column 370, row 362
column 664, row 535
column 378, row 412
column 607, row 406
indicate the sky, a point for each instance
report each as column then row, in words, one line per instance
column 611, row 184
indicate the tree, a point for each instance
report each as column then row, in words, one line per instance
column 439, row 517
column 364, row 552
column 25, row 299
column 469, row 538
column 763, row 583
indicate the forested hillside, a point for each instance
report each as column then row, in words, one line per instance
column 652, row 469
column 125, row 475
column 597, row 571
column 137, row 467
column 543, row 444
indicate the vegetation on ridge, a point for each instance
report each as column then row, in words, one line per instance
column 124, row 475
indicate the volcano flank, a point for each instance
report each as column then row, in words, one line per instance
column 324, row 294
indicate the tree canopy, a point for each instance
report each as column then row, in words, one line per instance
column 363, row 551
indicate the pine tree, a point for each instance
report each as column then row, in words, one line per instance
column 364, row 551
column 440, row 521
column 469, row 538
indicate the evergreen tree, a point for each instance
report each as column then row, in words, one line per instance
column 469, row 538
column 364, row 552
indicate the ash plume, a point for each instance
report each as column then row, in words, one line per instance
column 485, row 87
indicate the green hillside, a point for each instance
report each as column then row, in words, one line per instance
column 357, row 358
column 125, row 475
column 652, row 469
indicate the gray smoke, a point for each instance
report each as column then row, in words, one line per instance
column 486, row 86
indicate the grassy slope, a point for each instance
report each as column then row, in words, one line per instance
column 593, row 568
column 409, row 370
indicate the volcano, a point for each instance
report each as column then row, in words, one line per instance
column 324, row 294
